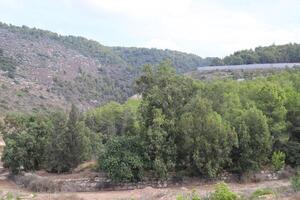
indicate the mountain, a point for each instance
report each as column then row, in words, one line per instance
column 41, row 70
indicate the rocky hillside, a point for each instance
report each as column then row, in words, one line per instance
column 41, row 70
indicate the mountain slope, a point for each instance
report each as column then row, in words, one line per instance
column 43, row 70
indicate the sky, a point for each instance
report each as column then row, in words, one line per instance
column 203, row 27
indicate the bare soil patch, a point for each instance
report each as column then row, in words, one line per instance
column 151, row 193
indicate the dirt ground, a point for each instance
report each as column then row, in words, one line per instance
column 147, row 193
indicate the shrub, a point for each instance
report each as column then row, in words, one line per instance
column 222, row 192
column 261, row 192
column 24, row 136
column 121, row 160
column 278, row 160
column 192, row 196
column 295, row 181
column 13, row 196
column 8, row 196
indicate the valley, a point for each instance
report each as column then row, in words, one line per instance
column 81, row 120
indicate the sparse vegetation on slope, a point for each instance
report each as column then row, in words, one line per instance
column 73, row 69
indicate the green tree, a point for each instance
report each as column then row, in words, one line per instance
column 25, row 137
column 292, row 147
column 68, row 142
column 77, row 140
column 208, row 138
column 56, row 147
column 121, row 159
column 112, row 119
column 271, row 99
column 254, row 141
column 164, row 95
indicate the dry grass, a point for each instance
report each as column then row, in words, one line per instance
column 86, row 166
column 67, row 197
column 38, row 184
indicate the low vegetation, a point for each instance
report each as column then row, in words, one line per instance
column 296, row 181
column 60, row 70
column 180, row 125
column 278, row 160
column 192, row 196
column 7, row 65
column 12, row 196
column 84, row 72
column 222, row 192
column 260, row 193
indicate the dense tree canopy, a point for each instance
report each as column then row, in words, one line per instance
column 179, row 125
column 289, row 53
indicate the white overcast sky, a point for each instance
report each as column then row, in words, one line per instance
column 203, row 27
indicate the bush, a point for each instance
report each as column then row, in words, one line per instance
column 16, row 196
column 223, row 192
column 121, row 160
column 192, row 196
column 278, row 160
column 295, row 181
column 8, row 196
column 24, row 136
column 261, row 192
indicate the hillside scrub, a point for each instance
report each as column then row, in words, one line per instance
column 180, row 125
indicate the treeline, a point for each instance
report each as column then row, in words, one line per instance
column 289, row 53
column 183, row 62
column 180, row 126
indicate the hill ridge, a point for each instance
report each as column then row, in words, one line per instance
column 40, row 69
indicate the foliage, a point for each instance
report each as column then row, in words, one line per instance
column 261, row 192
column 292, row 149
column 25, row 139
column 295, row 181
column 164, row 95
column 55, row 142
column 112, row 119
column 68, row 143
column 269, row 54
column 56, row 146
column 278, row 160
column 206, row 133
column 121, row 159
column 192, row 196
column 7, row 64
column 107, row 73
column 76, row 138
column 179, row 125
column 9, row 196
column 254, row 141
column 141, row 56
column 271, row 99
column 222, row 192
